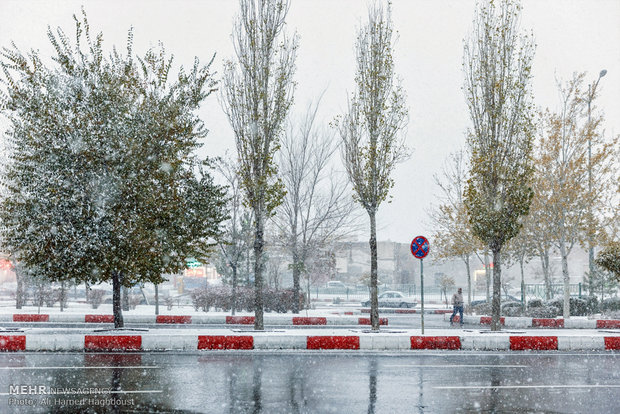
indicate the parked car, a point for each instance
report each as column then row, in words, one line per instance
column 394, row 299
column 335, row 284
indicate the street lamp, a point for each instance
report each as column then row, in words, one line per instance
column 591, row 91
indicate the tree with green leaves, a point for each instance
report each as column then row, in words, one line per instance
column 371, row 130
column 256, row 95
column 609, row 259
column 572, row 167
column 102, row 182
column 497, row 65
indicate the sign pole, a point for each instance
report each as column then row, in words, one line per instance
column 422, row 292
column 419, row 249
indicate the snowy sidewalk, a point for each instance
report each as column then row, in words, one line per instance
column 557, row 323
column 323, row 317
column 101, row 340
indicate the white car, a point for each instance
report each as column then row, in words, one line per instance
column 335, row 284
column 394, row 299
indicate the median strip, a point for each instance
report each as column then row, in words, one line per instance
column 231, row 339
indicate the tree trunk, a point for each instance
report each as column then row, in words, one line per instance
column 566, row 279
column 258, row 270
column 497, row 290
column 125, row 298
column 296, row 266
column 374, row 301
column 116, row 300
column 156, row 299
column 591, row 271
column 544, row 258
column 61, row 298
column 19, row 294
column 486, row 275
column 296, row 275
column 468, row 284
column 234, row 289
column 522, row 284
column 309, row 301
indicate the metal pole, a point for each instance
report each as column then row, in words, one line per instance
column 422, row 292
column 591, row 268
column 591, row 247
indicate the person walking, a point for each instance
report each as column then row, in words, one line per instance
column 457, row 304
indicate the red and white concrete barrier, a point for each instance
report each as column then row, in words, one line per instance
column 553, row 323
column 162, row 341
column 191, row 319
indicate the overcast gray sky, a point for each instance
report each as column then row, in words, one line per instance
column 571, row 36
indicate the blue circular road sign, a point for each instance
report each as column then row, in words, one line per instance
column 420, row 247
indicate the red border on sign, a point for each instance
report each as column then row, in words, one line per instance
column 419, row 247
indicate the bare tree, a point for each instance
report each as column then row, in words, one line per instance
column 256, row 95
column 317, row 208
column 234, row 242
column 454, row 236
column 497, row 65
column 445, row 283
column 275, row 259
column 371, row 129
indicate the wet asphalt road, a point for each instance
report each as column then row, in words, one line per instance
column 312, row 382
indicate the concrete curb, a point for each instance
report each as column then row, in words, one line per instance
column 406, row 311
column 553, row 323
column 346, row 320
column 282, row 340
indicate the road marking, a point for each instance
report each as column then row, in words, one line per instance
column 485, row 387
column 112, row 367
column 455, row 366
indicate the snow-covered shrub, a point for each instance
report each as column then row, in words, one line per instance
column 482, row 309
column 543, row 312
column 592, row 305
column 282, row 300
column 512, row 309
column 200, row 299
column 245, row 298
column 507, row 309
column 610, row 305
column 221, row 297
column 95, row 297
column 577, row 306
column 534, row 303
column 556, row 303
